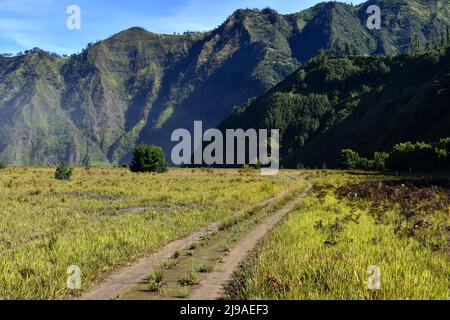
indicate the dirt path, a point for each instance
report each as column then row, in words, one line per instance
column 211, row 288
column 112, row 287
column 124, row 278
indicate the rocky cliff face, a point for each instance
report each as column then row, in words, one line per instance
column 138, row 86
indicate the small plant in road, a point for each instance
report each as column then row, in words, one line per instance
column 204, row 268
column 155, row 280
column 191, row 279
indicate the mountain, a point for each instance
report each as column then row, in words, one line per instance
column 363, row 103
column 137, row 86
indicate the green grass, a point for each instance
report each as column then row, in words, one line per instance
column 49, row 225
column 155, row 280
column 323, row 251
column 191, row 279
column 204, row 268
column 183, row 292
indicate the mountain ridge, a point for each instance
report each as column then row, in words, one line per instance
column 366, row 104
column 138, row 86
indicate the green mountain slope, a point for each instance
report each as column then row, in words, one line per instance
column 138, row 86
column 366, row 104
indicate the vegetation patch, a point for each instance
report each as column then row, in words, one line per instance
column 63, row 172
column 48, row 226
column 324, row 249
column 155, row 280
column 418, row 208
column 191, row 279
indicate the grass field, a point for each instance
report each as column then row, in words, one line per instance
column 323, row 250
column 97, row 220
column 103, row 219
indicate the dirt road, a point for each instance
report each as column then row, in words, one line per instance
column 211, row 288
column 126, row 277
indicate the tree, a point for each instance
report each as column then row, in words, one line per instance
column 63, row 172
column 349, row 159
column 148, row 159
column 409, row 156
column 379, row 160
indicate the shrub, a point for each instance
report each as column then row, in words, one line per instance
column 349, row 159
column 379, row 160
column 365, row 164
column 148, row 159
column 63, row 172
column 412, row 157
column 2, row 166
column 407, row 156
column 442, row 149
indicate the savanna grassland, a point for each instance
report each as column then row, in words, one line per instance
column 350, row 222
column 102, row 219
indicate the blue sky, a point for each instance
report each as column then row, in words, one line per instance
column 25, row 24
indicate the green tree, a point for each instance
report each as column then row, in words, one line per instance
column 379, row 160
column 409, row 156
column 63, row 172
column 148, row 159
column 442, row 149
column 349, row 159
column 2, row 165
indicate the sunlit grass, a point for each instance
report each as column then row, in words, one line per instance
column 48, row 225
column 323, row 251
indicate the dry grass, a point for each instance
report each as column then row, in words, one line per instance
column 324, row 249
column 48, row 225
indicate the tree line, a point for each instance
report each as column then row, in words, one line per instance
column 403, row 157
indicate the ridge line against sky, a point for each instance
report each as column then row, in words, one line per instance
column 25, row 24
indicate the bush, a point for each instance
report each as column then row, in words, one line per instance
column 420, row 156
column 412, row 157
column 63, row 172
column 351, row 160
column 407, row 156
column 379, row 160
column 148, row 159
column 365, row 164
column 442, row 149
column 2, row 166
